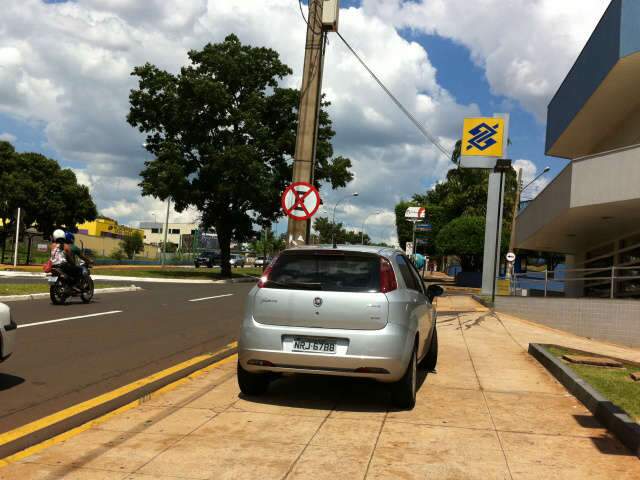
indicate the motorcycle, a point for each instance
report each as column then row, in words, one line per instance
column 62, row 286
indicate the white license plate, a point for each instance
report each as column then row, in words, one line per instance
column 314, row 345
column 53, row 279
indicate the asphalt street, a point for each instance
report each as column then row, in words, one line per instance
column 67, row 354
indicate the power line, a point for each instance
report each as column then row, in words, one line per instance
column 420, row 127
column 404, row 110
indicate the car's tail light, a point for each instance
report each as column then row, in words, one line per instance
column 265, row 275
column 388, row 282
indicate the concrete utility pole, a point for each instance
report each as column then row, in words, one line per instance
column 15, row 252
column 166, row 228
column 308, row 114
column 512, row 240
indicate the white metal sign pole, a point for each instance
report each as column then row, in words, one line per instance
column 494, row 211
column 15, row 250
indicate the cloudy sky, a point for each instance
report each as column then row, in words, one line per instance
column 65, row 77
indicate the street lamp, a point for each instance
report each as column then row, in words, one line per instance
column 546, row 169
column 378, row 212
column 333, row 221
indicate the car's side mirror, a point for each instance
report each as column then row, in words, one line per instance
column 434, row 291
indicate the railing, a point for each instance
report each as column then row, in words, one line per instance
column 597, row 281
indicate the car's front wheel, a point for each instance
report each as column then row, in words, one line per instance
column 403, row 392
column 252, row 383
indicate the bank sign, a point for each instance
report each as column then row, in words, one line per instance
column 483, row 137
column 484, row 140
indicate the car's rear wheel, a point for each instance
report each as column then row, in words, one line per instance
column 252, row 383
column 197, row 265
column 431, row 359
column 403, row 392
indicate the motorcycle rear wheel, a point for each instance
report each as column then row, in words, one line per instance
column 87, row 291
column 56, row 293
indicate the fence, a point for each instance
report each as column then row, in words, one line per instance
column 602, row 282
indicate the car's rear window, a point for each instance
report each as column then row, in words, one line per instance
column 341, row 272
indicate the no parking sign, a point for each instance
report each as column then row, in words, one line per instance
column 300, row 200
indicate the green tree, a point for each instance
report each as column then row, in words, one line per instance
column 268, row 244
column 325, row 230
column 222, row 133
column 49, row 196
column 132, row 244
column 464, row 238
column 462, row 193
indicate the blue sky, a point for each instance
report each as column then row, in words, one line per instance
column 64, row 82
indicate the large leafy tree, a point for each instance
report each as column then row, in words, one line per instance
column 222, row 133
column 49, row 196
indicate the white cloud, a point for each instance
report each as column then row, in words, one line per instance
column 526, row 47
column 8, row 137
column 67, row 66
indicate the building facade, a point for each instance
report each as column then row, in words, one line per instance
column 106, row 227
column 178, row 233
column 591, row 210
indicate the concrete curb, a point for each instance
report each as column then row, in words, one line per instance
column 612, row 417
column 40, row 296
column 72, row 422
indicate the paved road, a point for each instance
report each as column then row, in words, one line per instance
column 58, row 364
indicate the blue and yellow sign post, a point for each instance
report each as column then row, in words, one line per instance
column 484, row 145
column 484, row 140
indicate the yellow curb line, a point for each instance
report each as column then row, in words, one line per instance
column 88, row 404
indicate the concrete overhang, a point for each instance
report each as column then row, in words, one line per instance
column 590, row 202
column 601, row 89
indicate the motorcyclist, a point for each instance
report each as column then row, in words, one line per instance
column 79, row 260
column 62, row 256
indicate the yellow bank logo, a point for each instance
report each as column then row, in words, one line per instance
column 483, row 137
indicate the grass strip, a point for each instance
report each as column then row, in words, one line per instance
column 614, row 383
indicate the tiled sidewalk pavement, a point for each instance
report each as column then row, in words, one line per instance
column 491, row 412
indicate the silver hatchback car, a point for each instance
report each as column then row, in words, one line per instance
column 348, row 311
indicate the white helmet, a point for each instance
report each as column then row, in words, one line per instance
column 58, row 235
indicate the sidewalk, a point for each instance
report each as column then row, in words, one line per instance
column 491, row 412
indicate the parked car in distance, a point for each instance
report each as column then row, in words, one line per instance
column 207, row 259
column 237, row 260
column 351, row 311
column 262, row 261
column 7, row 332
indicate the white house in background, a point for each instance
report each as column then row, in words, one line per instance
column 154, row 232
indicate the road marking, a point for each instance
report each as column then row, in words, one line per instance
column 211, row 298
column 69, row 318
column 49, row 420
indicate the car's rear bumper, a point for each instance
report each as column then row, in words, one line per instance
column 387, row 350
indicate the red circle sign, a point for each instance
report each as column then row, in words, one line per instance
column 300, row 200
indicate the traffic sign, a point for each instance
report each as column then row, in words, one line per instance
column 300, row 201
column 424, row 227
column 511, row 257
column 415, row 213
column 409, row 248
